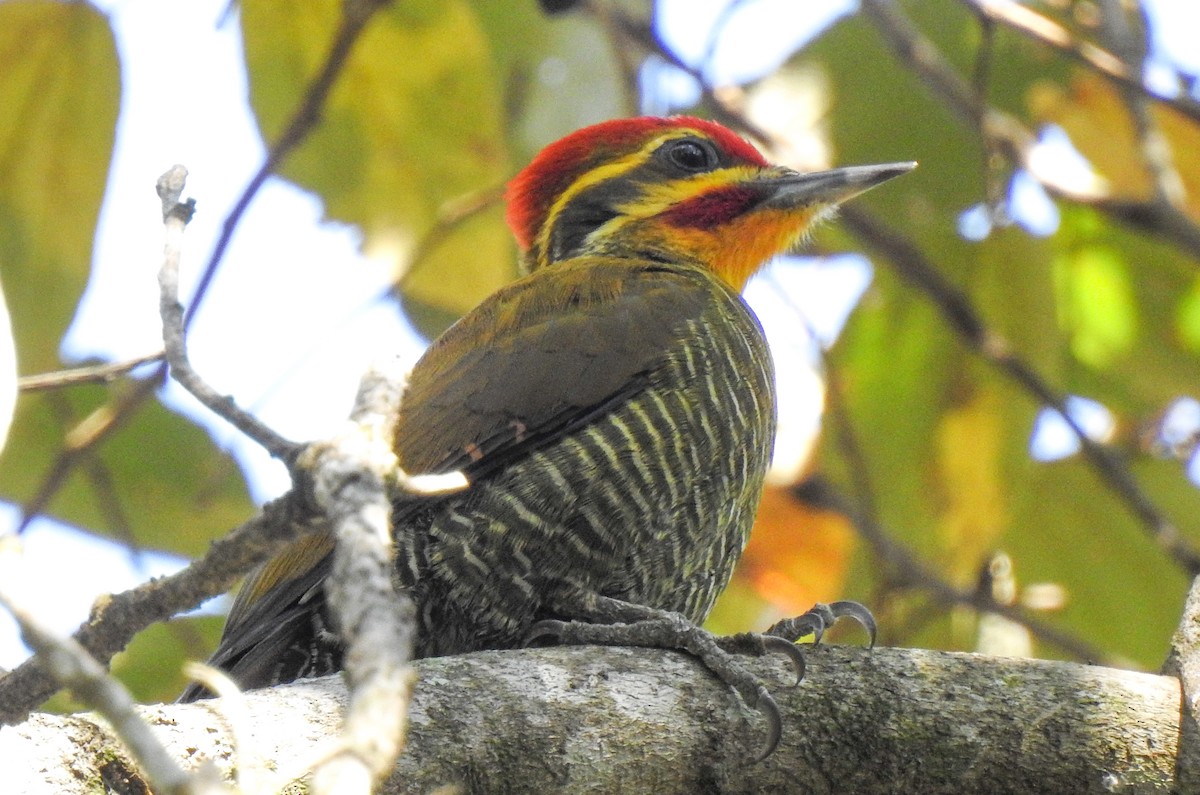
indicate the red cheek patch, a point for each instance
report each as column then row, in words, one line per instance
column 711, row 209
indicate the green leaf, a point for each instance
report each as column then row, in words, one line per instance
column 1097, row 304
column 151, row 665
column 1146, row 362
column 1068, row 531
column 1188, row 318
column 159, row 482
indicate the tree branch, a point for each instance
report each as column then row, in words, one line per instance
column 72, row 667
column 91, row 374
column 647, row 721
column 376, row 623
column 176, row 215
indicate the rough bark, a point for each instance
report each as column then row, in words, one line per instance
column 590, row 720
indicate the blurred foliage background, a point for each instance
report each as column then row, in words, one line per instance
column 1041, row 263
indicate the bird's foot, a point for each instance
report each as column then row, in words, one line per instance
column 820, row 618
column 666, row 630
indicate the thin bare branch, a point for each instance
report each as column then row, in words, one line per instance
column 376, row 623
column 176, row 214
column 116, row 619
column 70, row 665
column 92, row 374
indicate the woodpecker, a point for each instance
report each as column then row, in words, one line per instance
column 613, row 411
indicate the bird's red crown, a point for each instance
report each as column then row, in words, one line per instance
column 532, row 192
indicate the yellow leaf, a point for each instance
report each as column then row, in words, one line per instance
column 58, row 110
column 413, row 123
column 970, row 481
column 1098, row 121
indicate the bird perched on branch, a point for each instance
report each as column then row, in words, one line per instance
column 613, row 412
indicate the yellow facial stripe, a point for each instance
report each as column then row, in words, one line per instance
column 603, row 173
column 661, row 197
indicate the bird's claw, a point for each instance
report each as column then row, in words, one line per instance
column 788, row 649
column 820, row 618
column 859, row 612
column 765, row 704
column 672, row 631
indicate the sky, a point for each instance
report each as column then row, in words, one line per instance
column 270, row 280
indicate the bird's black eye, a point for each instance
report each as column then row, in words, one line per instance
column 691, row 154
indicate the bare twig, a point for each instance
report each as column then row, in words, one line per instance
column 176, row 215
column 92, row 374
column 70, row 665
column 116, row 619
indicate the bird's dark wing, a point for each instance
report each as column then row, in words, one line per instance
column 543, row 356
column 273, row 615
